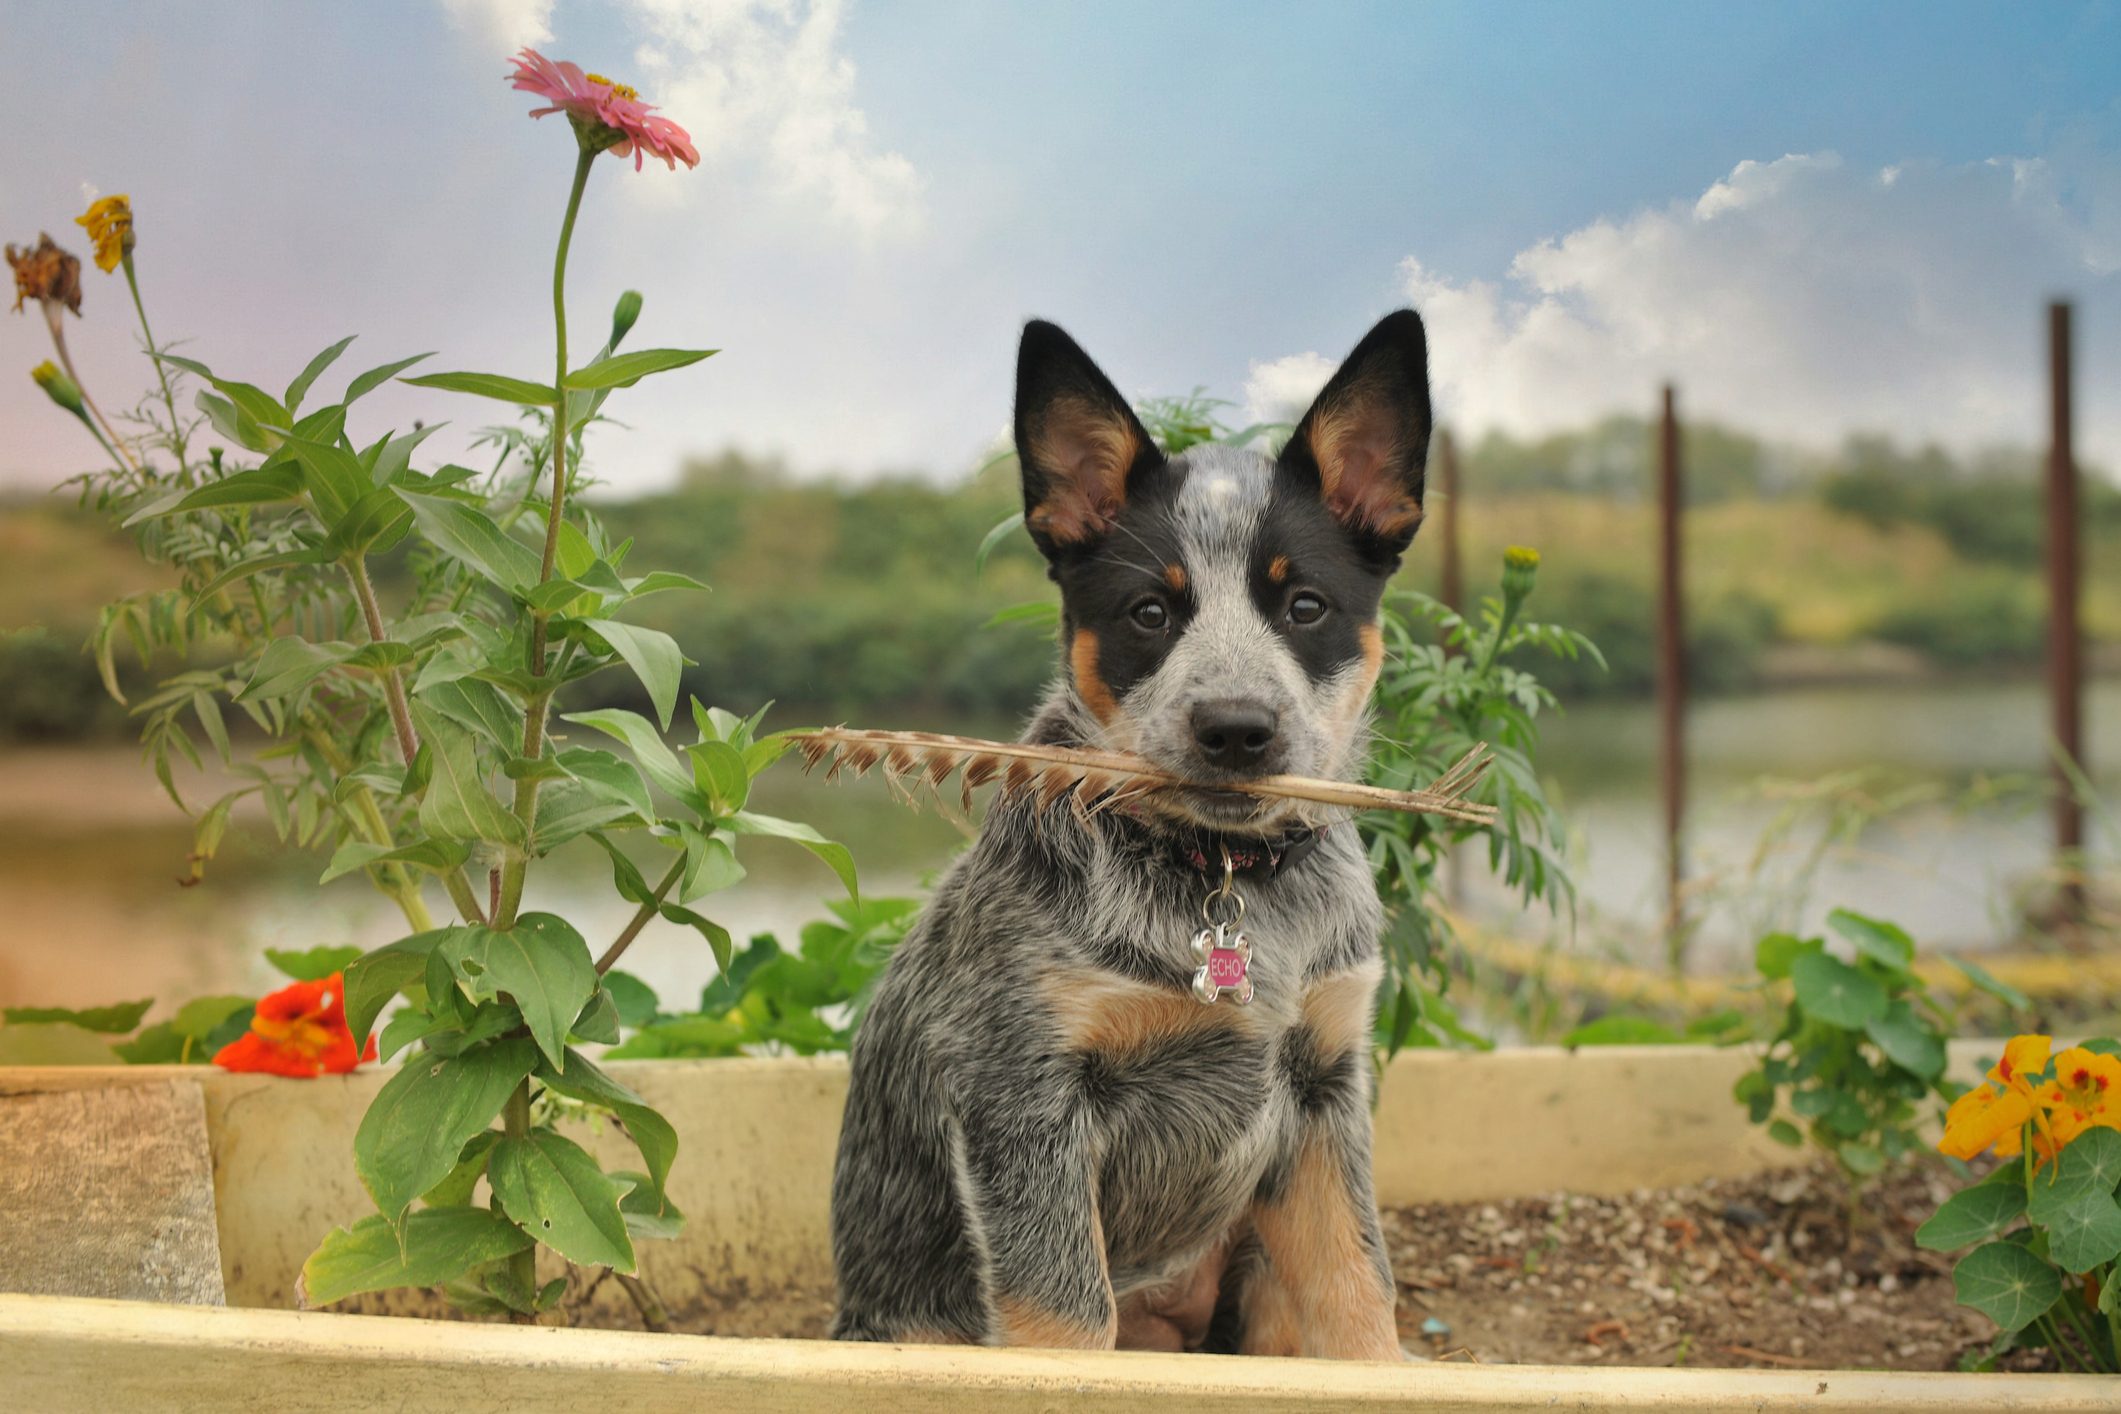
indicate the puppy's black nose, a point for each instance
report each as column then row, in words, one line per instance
column 1234, row 734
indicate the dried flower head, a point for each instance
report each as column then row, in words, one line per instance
column 607, row 116
column 46, row 274
column 109, row 223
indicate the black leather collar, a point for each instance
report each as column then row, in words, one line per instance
column 1251, row 856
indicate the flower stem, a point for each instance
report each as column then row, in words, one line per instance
column 523, row 1266
column 393, row 685
column 176, row 425
column 108, row 435
column 639, row 920
column 526, row 797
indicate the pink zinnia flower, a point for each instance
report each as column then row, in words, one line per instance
column 606, row 115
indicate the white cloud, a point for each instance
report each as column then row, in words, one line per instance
column 1281, row 389
column 767, row 81
column 1801, row 297
column 510, row 24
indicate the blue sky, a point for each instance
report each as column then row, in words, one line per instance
column 1819, row 218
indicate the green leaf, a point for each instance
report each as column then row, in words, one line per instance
column 598, row 1021
column 236, row 574
column 551, row 1186
column 718, row 939
column 425, row 1114
column 1621, row 1031
column 1983, row 981
column 489, row 385
column 2084, row 1233
column 312, row 964
column 1035, row 612
column 56, row 1043
column 376, row 377
column 230, row 421
column 290, row 664
column 646, row 744
column 625, row 370
column 661, row 581
column 607, row 775
column 718, row 769
column 457, row 805
column 299, row 389
column 111, row 1020
column 204, row 1019
column 1907, row 1040
column 373, row 524
column 372, row 980
column 648, row 1130
column 634, row 999
column 654, row 657
column 1831, row 991
column 1774, row 954
column 645, row 1217
column 439, row 1245
column 436, row 856
column 1860, row 1159
column 256, row 486
column 710, row 864
column 333, row 478
column 570, row 810
column 472, row 536
column 1003, row 529
column 2007, row 1284
column 455, row 1191
column 1975, row 1214
column 1783, row 1132
column 542, row 963
column 835, row 856
column 480, row 707
column 1883, row 943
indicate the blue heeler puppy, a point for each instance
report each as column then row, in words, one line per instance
column 1062, row 1131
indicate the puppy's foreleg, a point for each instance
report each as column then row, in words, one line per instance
column 1028, row 1175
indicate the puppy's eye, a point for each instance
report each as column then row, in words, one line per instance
column 1150, row 614
column 1306, row 608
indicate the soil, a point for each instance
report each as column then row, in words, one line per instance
column 1765, row 1271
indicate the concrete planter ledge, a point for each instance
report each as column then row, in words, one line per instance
column 753, row 1178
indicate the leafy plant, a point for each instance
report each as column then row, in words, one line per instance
column 421, row 745
column 1449, row 683
column 1860, row 1048
column 2048, row 1267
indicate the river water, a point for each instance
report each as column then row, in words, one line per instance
column 90, row 849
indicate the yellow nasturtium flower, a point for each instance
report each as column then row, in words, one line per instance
column 1982, row 1117
column 2085, row 1094
column 109, row 223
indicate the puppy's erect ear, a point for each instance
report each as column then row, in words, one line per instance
column 1365, row 441
column 1079, row 444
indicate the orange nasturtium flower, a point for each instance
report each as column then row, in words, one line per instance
column 109, row 223
column 1983, row 1117
column 299, row 1031
column 2085, row 1093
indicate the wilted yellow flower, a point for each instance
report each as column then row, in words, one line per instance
column 109, row 223
column 63, row 390
column 46, row 274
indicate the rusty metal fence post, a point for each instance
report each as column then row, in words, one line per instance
column 2065, row 646
column 1671, row 672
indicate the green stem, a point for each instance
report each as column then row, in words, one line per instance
column 515, row 1122
column 2079, row 1323
column 108, row 436
column 393, row 685
column 640, row 919
column 399, row 882
column 526, row 798
column 176, row 425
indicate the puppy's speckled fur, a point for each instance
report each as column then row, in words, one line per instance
column 1048, row 1139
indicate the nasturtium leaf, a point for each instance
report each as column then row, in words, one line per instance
column 554, row 1190
column 472, row 536
column 542, row 963
column 625, row 370
column 458, row 806
column 312, row 964
column 654, row 657
column 1831, row 991
column 489, row 385
column 439, row 1245
column 374, row 978
column 1783, row 1132
column 456, row 1190
column 2006, row 1283
column 2081, row 1233
column 1860, row 1159
column 1881, row 942
column 1773, row 954
column 635, row 1000
column 1975, row 1214
column 718, row 770
column 366, row 383
column 646, row 744
column 1621, row 1031
column 2090, row 1164
column 299, row 389
column 113, row 1020
column 424, row 1115
column 835, row 855
column 1907, row 1040
column 437, row 856
column 648, row 1130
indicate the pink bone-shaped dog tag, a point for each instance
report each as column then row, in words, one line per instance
column 1225, row 964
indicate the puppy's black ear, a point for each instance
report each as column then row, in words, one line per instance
column 1079, row 444
column 1365, row 441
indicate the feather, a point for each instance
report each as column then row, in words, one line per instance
column 1094, row 780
